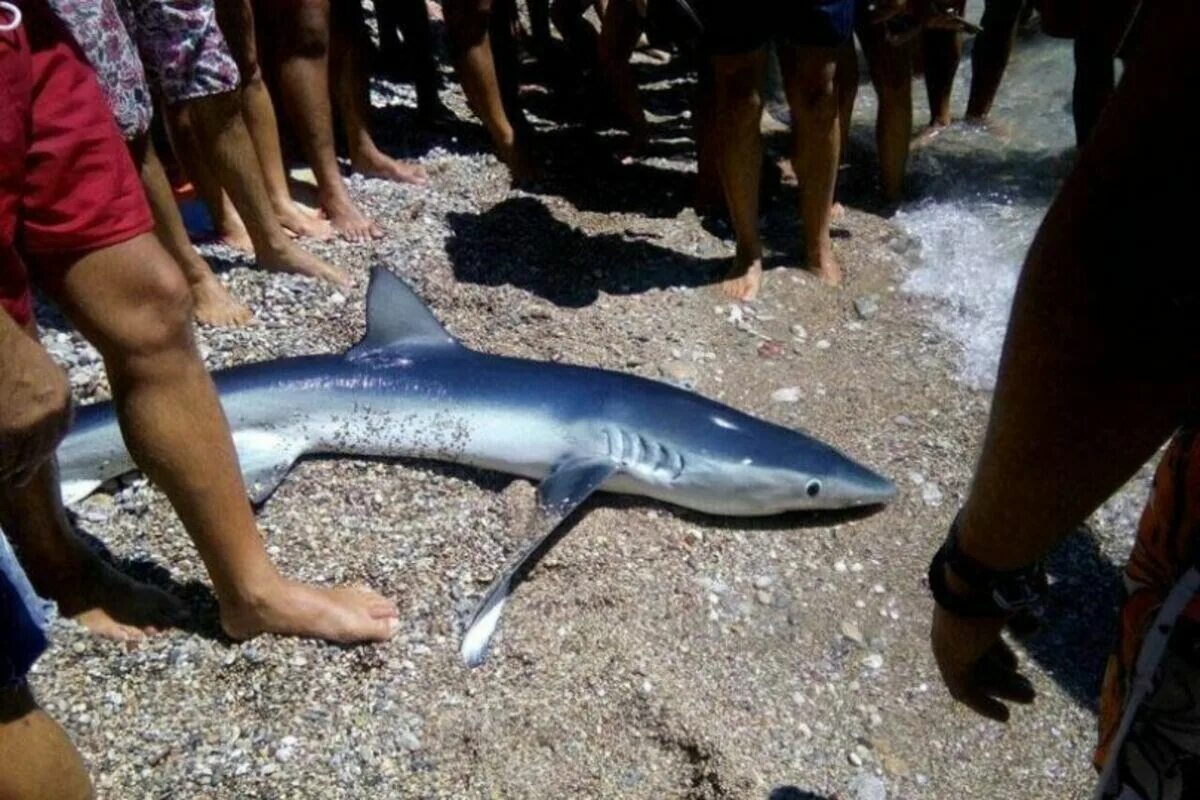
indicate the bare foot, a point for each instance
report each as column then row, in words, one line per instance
column 297, row 221
column 290, row 257
column 744, row 279
column 520, row 164
column 214, row 305
column 825, row 266
column 232, row 233
column 931, row 132
column 350, row 223
column 108, row 603
column 1001, row 130
column 434, row 10
column 375, row 164
column 344, row 614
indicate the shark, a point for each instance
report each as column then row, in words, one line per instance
column 409, row 389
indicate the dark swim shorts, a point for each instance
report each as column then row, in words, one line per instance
column 22, row 620
column 742, row 26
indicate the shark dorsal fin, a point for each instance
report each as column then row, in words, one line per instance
column 397, row 318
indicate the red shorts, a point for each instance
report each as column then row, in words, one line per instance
column 67, row 184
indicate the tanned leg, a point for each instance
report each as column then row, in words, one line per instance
column 469, row 25
column 739, row 148
column 130, row 301
column 300, row 31
column 214, row 305
column 808, row 74
column 217, row 127
column 942, row 50
column 236, row 18
column 989, row 58
column 37, row 759
column 891, row 75
column 348, row 42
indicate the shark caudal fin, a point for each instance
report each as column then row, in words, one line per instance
column 397, row 318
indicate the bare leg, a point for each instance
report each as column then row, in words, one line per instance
column 348, row 39
column 709, row 195
column 469, row 24
column 891, row 74
column 942, row 51
column 301, row 36
column 739, row 107
column 619, row 32
column 64, row 569
column 37, row 759
column 215, row 123
column 413, row 19
column 131, row 303
column 989, row 58
column 227, row 223
column 808, row 74
column 847, row 90
column 236, row 18
column 213, row 303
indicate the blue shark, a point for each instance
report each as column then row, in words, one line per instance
column 409, row 389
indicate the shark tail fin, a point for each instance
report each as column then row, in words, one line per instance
column 397, row 318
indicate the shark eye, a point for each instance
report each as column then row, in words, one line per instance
column 813, row 488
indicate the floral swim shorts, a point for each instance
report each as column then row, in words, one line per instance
column 174, row 44
column 102, row 37
column 182, row 46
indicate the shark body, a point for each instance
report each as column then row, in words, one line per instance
column 409, row 389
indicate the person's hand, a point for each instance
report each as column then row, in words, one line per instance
column 35, row 405
column 977, row 666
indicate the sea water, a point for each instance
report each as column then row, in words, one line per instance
column 979, row 197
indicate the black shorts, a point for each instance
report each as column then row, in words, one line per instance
column 743, row 26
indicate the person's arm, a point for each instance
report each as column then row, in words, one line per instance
column 1101, row 362
column 35, row 403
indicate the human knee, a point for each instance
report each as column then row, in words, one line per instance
column 161, row 321
column 815, row 92
column 737, row 84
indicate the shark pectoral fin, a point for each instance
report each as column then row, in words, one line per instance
column 563, row 490
column 265, row 458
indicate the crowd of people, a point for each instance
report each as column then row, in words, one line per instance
column 88, row 213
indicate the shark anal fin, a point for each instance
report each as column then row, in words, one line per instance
column 563, row 491
column 265, row 458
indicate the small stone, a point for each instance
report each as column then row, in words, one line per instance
column 854, row 758
column 798, row 331
column 866, row 307
column 873, row 661
column 770, row 349
column 868, row 787
column 931, row 495
column 823, row 344
column 788, row 394
column 763, row 597
column 762, row 582
column 804, row 731
column 852, row 632
column 680, row 373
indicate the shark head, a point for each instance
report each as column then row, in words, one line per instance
column 776, row 470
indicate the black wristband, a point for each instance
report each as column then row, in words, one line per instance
column 991, row 593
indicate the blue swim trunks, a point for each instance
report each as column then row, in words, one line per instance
column 23, row 621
